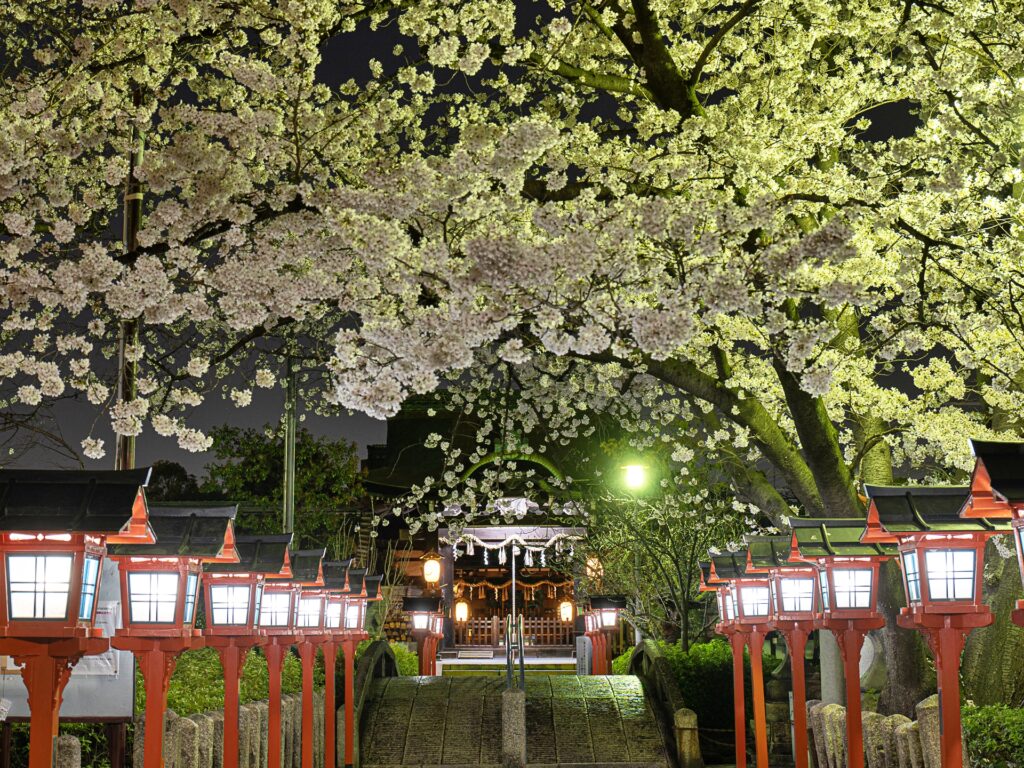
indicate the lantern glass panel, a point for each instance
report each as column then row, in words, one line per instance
column 274, row 609
column 912, row 575
column 609, row 617
column 38, row 586
column 258, row 604
column 309, row 612
column 755, row 601
column 823, row 582
column 354, row 615
column 852, row 587
column 230, row 604
column 191, row 587
column 332, row 618
column 420, row 620
column 950, row 573
column 152, row 596
column 797, row 594
column 90, row 580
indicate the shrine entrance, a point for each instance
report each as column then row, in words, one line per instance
column 491, row 573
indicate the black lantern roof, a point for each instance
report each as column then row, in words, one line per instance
column 256, row 554
column 730, row 565
column 372, row 584
column 705, row 572
column 306, row 564
column 184, row 530
column 920, row 509
column 336, row 573
column 69, row 501
column 1004, row 463
column 835, row 537
column 422, row 604
column 356, row 577
column 770, row 552
column 605, row 602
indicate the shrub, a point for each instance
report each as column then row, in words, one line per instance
column 994, row 736
column 198, row 681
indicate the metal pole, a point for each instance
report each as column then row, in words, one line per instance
column 290, row 422
column 128, row 337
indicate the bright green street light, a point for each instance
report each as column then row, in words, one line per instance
column 634, row 476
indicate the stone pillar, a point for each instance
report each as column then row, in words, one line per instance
column 908, row 746
column 687, row 741
column 69, row 752
column 513, row 728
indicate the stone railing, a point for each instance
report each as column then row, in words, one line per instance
column 889, row 742
column 678, row 724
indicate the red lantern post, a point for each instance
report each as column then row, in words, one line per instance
column 942, row 557
column 606, row 611
column 796, row 594
column 54, row 527
column 849, row 593
column 737, row 641
column 754, row 614
column 997, row 492
column 335, row 581
column 355, row 600
column 307, row 565
column 278, row 616
column 423, row 610
column 233, row 593
column 159, row 589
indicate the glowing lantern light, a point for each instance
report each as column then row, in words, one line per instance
column 462, row 611
column 565, row 610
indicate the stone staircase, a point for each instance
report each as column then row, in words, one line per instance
column 457, row 721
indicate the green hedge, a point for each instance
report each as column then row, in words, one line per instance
column 197, row 684
column 994, row 736
column 705, row 679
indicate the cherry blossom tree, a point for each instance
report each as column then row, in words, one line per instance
column 791, row 226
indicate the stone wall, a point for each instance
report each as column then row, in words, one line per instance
column 197, row 741
column 889, row 742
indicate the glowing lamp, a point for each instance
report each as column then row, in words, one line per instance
column 634, row 476
column 462, row 611
column 160, row 581
column 421, row 611
column 565, row 611
column 431, row 568
column 606, row 610
column 233, row 592
column 593, row 568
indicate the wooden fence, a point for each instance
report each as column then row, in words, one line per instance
column 490, row 631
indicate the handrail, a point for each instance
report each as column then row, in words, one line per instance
column 515, row 645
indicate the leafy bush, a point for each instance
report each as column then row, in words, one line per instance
column 705, row 679
column 198, row 681
column 994, row 736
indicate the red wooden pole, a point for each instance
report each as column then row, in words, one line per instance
column 738, row 642
column 850, row 642
column 232, row 661
column 45, row 677
column 275, row 660
column 156, row 666
column 307, row 652
column 350, row 701
column 949, row 644
column 796, row 639
column 330, row 706
column 421, row 652
column 757, row 684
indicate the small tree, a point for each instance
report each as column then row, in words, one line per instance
column 249, row 468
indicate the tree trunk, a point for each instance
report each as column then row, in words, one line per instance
column 910, row 676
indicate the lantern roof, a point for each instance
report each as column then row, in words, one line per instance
column 266, row 554
column 767, row 552
column 605, row 602
column 905, row 511
column 728, row 566
column 103, row 502
column 372, row 586
column 815, row 538
column 356, row 579
column 997, row 482
column 187, row 530
column 705, row 575
column 336, row 573
column 421, row 604
column 307, row 566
